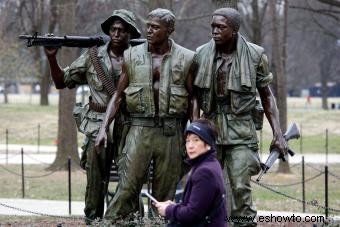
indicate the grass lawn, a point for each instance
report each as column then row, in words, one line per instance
column 54, row 186
column 40, row 183
column 290, row 184
column 23, row 121
column 28, row 123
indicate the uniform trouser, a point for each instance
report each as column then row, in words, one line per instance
column 142, row 145
column 97, row 172
column 240, row 162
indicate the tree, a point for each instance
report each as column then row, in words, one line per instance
column 34, row 17
column 67, row 133
column 280, row 77
column 225, row 3
column 324, row 15
column 14, row 64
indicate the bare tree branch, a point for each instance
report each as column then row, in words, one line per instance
column 194, row 17
column 324, row 29
column 320, row 11
column 183, row 9
column 335, row 3
column 265, row 5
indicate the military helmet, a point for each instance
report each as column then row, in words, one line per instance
column 125, row 15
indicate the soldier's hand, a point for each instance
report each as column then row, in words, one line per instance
column 50, row 51
column 101, row 141
column 281, row 144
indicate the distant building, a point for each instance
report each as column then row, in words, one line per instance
column 333, row 90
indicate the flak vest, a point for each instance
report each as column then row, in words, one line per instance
column 242, row 98
column 173, row 95
column 234, row 121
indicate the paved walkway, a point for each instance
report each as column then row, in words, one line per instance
column 42, row 207
column 32, row 154
column 46, row 155
column 28, row 207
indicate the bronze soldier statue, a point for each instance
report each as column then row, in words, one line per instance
column 157, row 84
column 230, row 70
column 102, row 79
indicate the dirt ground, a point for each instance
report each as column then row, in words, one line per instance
column 46, row 222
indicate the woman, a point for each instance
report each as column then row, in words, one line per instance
column 203, row 202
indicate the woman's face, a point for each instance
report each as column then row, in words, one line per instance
column 195, row 146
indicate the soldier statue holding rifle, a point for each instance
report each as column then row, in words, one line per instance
column 100, row 68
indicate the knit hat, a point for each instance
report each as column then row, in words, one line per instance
column 202, row 131
column 125, row 15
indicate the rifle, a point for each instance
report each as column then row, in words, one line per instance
column 291, row 133
column 71, row 41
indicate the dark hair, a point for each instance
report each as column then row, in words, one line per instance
column 164, row 15
column 232, row 15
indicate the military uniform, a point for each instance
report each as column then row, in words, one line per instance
column 152, row 137
column 89, row 119
column 227, row 87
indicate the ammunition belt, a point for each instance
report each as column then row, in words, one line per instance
column 97, row 107
column 107, row 82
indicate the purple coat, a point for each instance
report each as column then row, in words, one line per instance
column 204, row 190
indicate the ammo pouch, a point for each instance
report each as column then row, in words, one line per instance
column 257, row 115
column 79, row 113
column 169, row 126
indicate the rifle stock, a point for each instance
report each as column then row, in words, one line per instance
column 70, row 41
column 291, row 133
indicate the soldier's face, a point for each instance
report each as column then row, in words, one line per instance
column 119, row 33
column 221, row 31
column 157, row 32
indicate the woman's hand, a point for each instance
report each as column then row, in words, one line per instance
column 161, row 207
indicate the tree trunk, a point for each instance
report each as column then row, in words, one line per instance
column 67, row 133
column 225, row 3
column 5, row 94
column 256, row 23
column 280, row 79
column 153, row 4
column 45, row 80
column 325, row 72
column 44, row 85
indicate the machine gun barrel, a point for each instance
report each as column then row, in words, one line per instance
column 291, row 133
column 70, row 41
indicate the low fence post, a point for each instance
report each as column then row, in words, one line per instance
column 6, row 146
column 326, row 191
column 22, row 173
column 69, row 184
column 261, row 143
column 301, row 139
column 326, row 146
column 303, row 185
column 38, row 142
